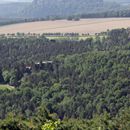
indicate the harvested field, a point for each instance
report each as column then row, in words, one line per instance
column 91, row 26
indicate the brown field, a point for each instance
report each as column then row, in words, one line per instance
column 91, row 26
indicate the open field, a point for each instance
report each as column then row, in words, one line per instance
column 91, row 26
column 70, row 38
column 6, row 87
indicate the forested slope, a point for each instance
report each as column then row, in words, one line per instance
column 55, row 8
column 86, row 83
column 44, row 8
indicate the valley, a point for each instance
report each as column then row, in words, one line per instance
column 64, row 65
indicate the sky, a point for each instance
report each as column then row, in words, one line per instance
column 15, row 0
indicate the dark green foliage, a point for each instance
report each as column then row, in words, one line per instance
column 103, row 122
column 13, row 122
column 85, row 80
column 1, row 77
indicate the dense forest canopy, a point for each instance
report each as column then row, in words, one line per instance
column 83, row 83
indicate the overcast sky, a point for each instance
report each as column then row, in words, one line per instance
column 15, row 0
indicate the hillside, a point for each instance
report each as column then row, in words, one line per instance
column 64, row 65
column 55, row 8
column 63, row 8
column 119, row 1
column 83, row 83
column 10, row 10
column 44, row 8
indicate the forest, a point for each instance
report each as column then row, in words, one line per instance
column 66, row 84
column 105, row 14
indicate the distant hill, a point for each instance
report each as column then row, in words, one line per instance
column 52, row 8
column 122, row 2
column 44, row 8
column 12, row 9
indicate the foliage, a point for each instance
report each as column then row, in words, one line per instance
column 86, row 85
column 12, row 123
column 50, row 125
column 6, row 87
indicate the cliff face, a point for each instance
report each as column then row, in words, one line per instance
column 43, row 8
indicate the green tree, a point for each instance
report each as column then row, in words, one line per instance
column 6, row 76
column 51, row 125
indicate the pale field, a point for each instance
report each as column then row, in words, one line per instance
column 91, row 26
